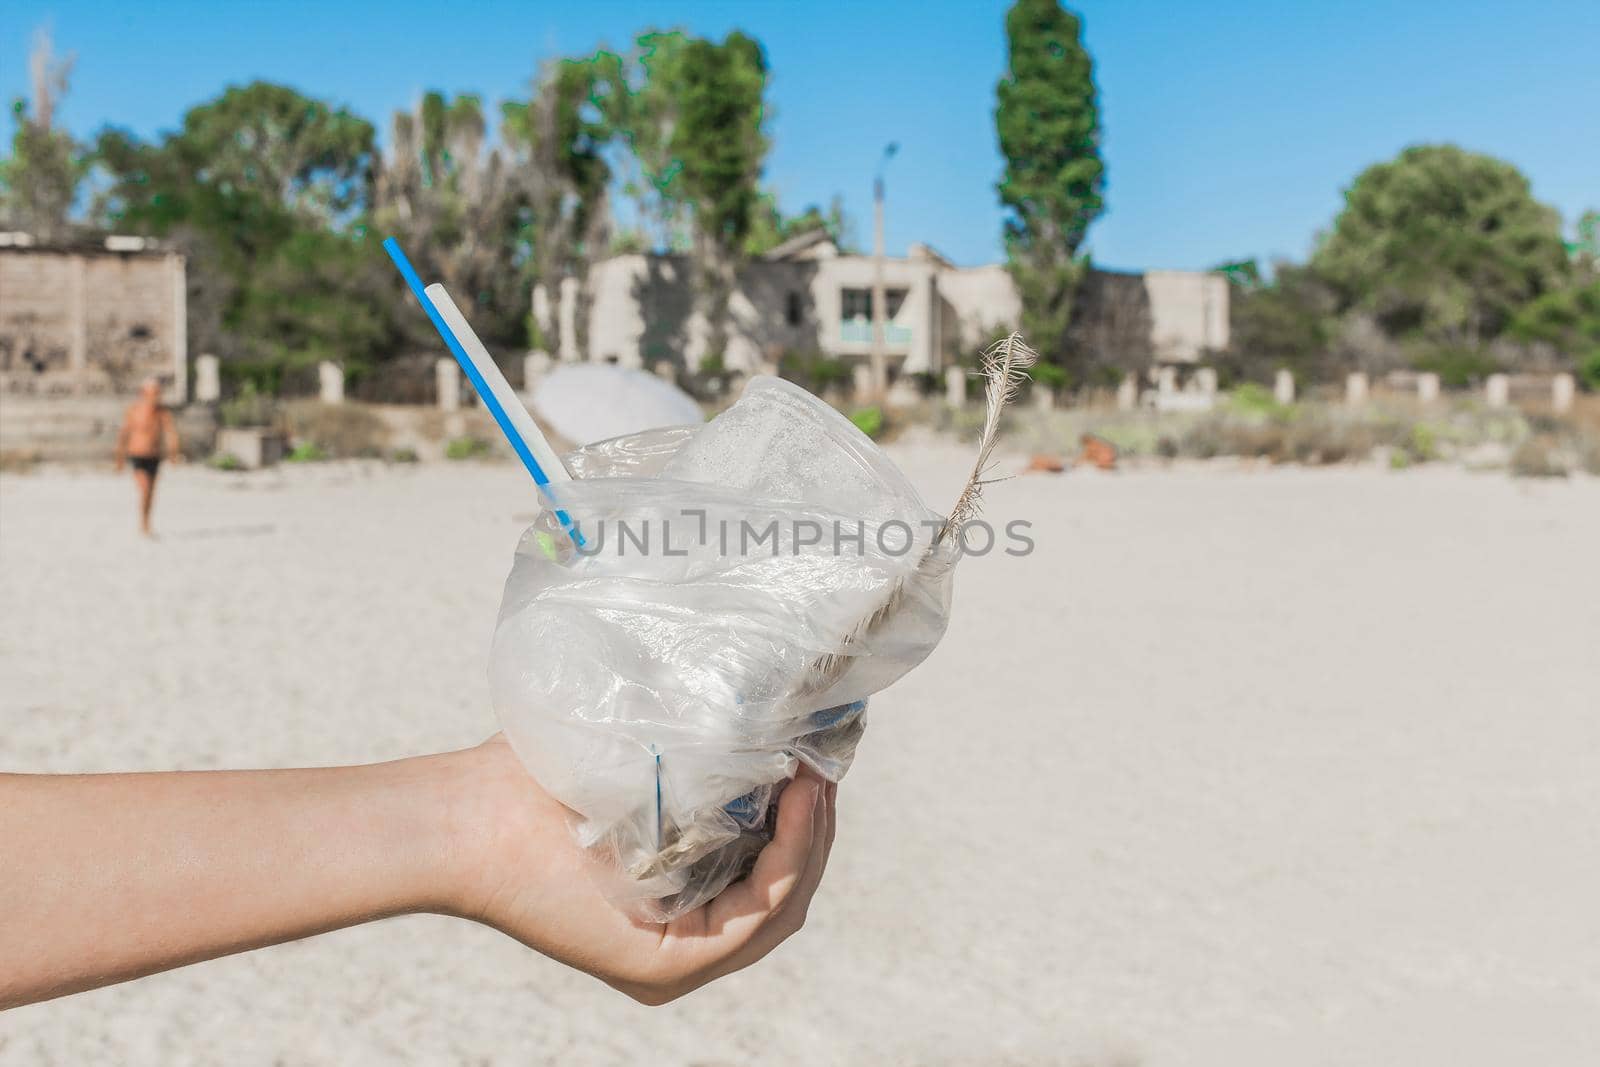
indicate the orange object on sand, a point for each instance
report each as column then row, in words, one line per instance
column 1045, row 463
column 1098, row 452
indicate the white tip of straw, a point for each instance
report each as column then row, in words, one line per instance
column 516, row 413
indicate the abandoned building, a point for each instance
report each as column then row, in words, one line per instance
column 81, row 325
column 808, row 296
column 90, row 319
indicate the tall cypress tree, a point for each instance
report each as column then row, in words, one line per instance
column 1049, row 127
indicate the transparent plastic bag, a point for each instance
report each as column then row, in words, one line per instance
column 742, row 588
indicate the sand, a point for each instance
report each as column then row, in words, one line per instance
column 1239, row 766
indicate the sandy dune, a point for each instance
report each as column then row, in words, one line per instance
column 1275, row 766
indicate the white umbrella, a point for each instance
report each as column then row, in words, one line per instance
column 587, row 402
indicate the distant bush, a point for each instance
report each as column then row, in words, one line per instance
column 868, row 420
column 1253, row 398
column 814, row 371
column 225, row 461
column 249, row 409
column 403, row 455
column 1589, row 370
column 342, row 431
column 1539, row 457
column 306, row 452
column 1048, row 375
column 1457, row 367
column 466, row 448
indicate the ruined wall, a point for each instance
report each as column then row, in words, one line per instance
column 643, row 313
column 90, row 322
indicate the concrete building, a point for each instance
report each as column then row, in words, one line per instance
column 91, row 319
column 81, row 325
column 806, row 295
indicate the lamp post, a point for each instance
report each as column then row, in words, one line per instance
column 880, row 355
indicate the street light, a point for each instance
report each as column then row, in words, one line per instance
column 880, row 355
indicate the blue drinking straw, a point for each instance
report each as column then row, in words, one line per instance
column 490, row 401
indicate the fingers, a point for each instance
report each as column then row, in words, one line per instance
column 792, row 914
column 744, row 906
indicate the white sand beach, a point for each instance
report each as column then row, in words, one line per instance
column 1241, row 766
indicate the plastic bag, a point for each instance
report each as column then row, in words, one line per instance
column 742, row 588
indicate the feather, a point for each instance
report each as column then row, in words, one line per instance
column 1004, row 367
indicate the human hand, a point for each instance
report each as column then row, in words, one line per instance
column 516, row 867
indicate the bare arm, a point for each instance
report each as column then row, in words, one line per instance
column 110, row 877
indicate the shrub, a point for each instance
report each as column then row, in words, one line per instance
column 1538, row 457
column 466, row 448
column 225, row 461
column 813, row 371
column 1253, row 398
column 1589, row 370
column 343, row 431
column 868, row 420
column 306, row 452
column 403, row 455
column 248, row 409
column 1457, row 367
column 1048, row 375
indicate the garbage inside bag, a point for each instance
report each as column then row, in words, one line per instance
column 740, row 590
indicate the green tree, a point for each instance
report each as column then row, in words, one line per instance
column 265, row 191
column 693, row 113
column 1281, row 323
column 39, row 179
column 460, row 211
column 1049, row 128
column 770, row 227
column 558, row 140
column 1441, row 247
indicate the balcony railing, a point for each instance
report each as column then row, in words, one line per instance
column 859, row 331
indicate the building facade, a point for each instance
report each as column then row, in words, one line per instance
column 807, row 296
column 91, row 319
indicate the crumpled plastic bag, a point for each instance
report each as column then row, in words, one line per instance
column 742, row 588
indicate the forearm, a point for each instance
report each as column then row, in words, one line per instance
column 109, row 877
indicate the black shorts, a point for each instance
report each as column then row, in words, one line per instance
column 148, row 464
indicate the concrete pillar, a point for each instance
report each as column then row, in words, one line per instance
column 447, row 375
column 1563, row 388
column 955, row 386
column 77, row 301
column 1356, row 387
column 861, row 380
column 535, row 365
column 567, row 321
column 1128, row 392
column 330, row 382
column 1283, row 387
column 1167, row 380
column 208, row 379
column 180, row 328
column 1206, row 379
column 1044, row 397
column 1428, row 387
column 1497, row 391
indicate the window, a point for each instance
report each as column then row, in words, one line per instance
column 857, row 303
column 792, row 310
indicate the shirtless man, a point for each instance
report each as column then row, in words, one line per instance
column 145, row 428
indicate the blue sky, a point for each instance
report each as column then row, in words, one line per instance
column 1229, row 129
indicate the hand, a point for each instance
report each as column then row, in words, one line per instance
column 518, row 869
column 120, row 464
